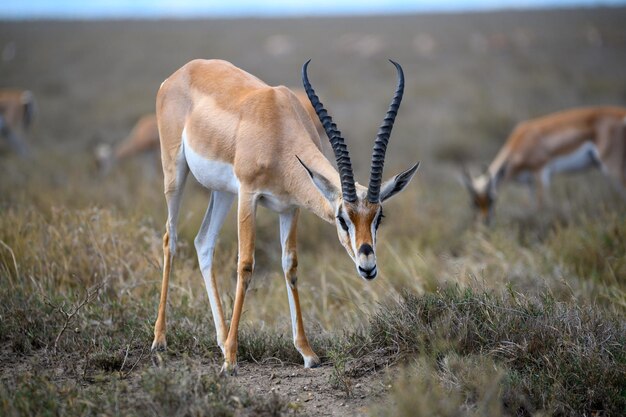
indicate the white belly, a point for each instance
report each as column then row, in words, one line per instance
column 214, row 175
column 582, row 158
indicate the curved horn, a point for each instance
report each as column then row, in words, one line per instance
column 382, row 138
column 336, row 141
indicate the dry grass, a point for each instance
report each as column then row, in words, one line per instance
column 159, row 392
column 513, row 354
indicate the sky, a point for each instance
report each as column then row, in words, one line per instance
column 27, row 9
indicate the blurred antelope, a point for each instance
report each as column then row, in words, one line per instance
column 248, row 141
column 17, row 108
column 145, row 138
column 566, row 141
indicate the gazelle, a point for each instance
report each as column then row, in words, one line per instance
column 245, row 140
column 144, row 137
column 17, row 109
column 565, row 141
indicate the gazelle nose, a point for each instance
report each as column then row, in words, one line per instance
column 366, row 249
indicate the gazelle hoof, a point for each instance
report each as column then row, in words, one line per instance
column 312, row 361
column 228, row 369
column 159, row 344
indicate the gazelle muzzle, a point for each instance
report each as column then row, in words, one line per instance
column 366, row 259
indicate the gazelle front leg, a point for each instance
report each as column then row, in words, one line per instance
column 246, row 212
column 15, row 141
column 205, row 247
column 288, row 226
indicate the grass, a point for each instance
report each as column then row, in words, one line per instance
column 534, row 354
column 81, row 296
column 158, row 392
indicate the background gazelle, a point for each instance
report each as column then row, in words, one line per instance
column 144, row 137
column 17, row 108
column 566, row 141
column 242, row 138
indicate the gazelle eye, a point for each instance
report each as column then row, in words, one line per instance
column 343, row 223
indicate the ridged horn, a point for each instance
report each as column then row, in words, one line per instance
column 382, row 138
column 340, row 149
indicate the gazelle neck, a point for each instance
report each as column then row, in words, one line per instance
column 498, row 165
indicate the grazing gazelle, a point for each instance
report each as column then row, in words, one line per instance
column 565, row 141
column 144, row 137
column 16, row 116
column 245, row 140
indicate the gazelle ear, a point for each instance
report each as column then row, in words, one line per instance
column 397, row 183
column 328, row 190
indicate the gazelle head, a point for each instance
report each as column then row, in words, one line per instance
column 358, row 210
column 482, row 191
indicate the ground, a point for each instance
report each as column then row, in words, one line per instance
column 310, row 391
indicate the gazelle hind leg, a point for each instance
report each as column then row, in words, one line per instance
column 173, row 196
column 288, row 226
column 219, row 207
column 617, row 178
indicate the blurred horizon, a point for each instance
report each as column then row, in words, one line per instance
column 147, row 9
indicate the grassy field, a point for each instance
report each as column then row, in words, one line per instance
column 524, row 318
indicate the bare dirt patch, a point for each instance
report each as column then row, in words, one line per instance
column 310, row 391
